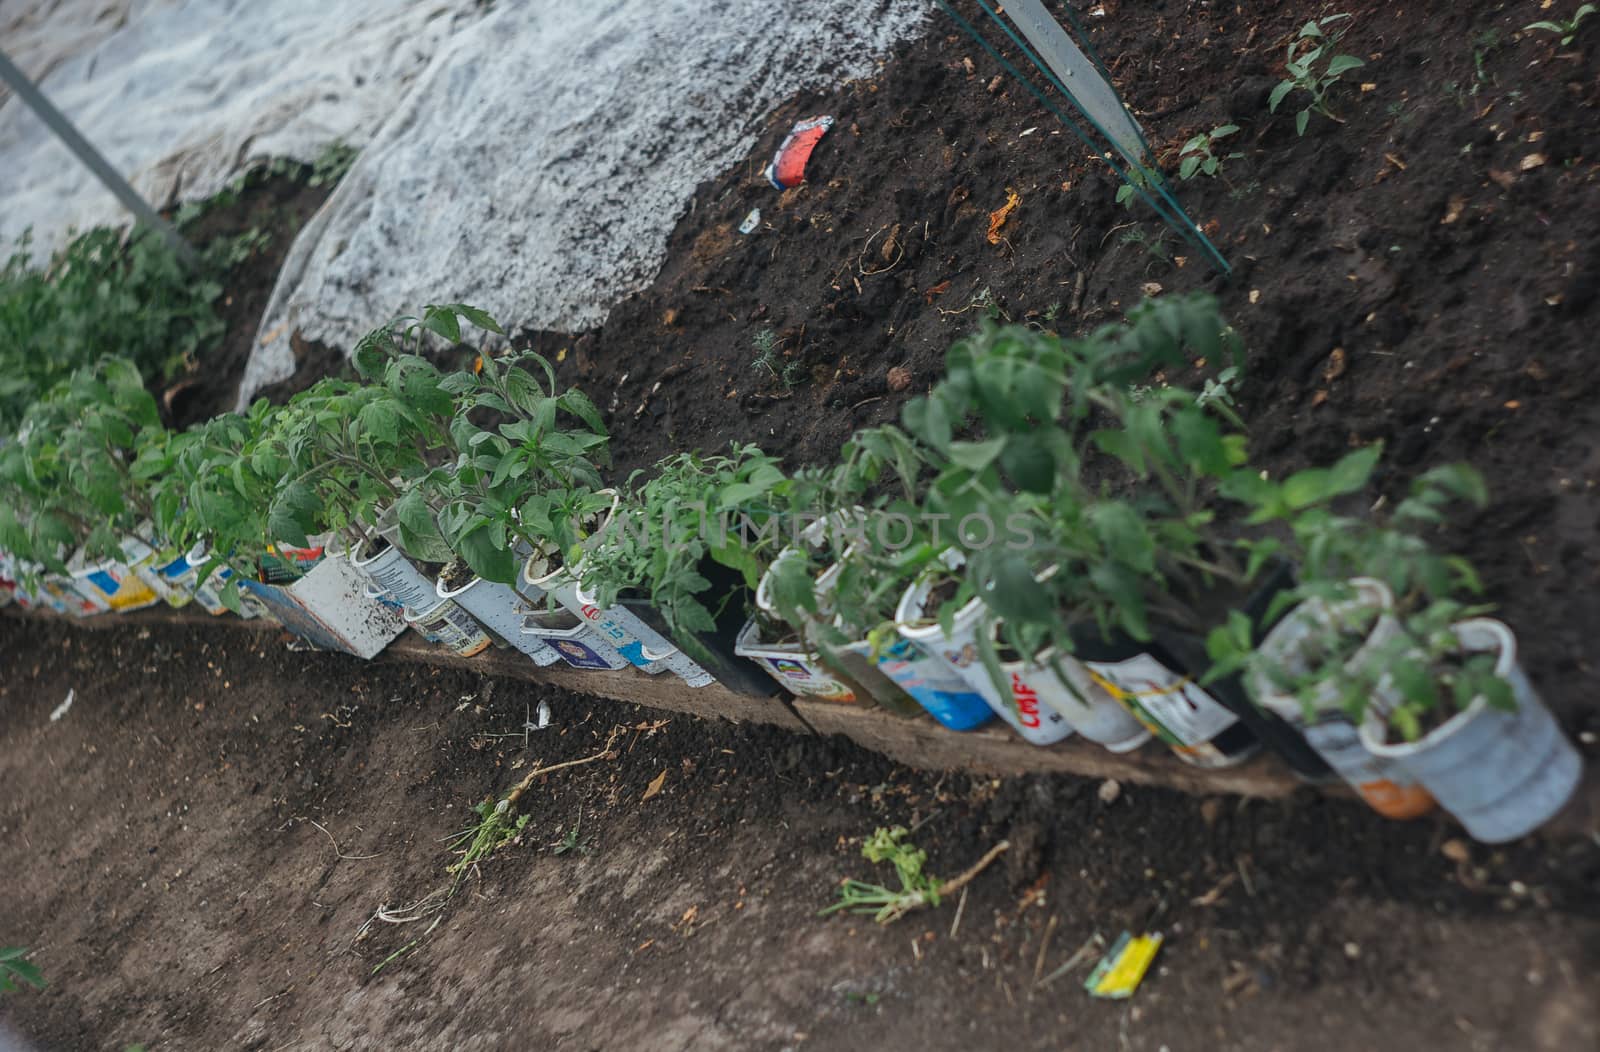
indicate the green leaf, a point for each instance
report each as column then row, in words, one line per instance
column 1278, row 93
column 976, row 456
column 1190, row 165
column 1123, row 534
column 379, row 420
column 480, row 318
column 1342, row 64
column 1352, row 472
column 1301, row 120
column 1028, row 462
column 488, row 560
column 442, row 320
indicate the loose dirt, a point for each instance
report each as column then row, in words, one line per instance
column 197, row 852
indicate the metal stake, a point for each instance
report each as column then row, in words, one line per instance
column 113, row 181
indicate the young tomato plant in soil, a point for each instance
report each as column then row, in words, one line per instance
column 723, row 510
column 1314, row 67
column 1428, row 587
column 1566, row 28
column 1199, row 156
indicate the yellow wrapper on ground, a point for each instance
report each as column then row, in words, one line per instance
column 1120, row 971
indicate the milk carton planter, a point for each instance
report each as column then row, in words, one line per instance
column 797, row 670
column 444, row 623
column 1501, row 774
column 387, row 566
column 572, row 638
column 1291, row 647
column 109, row 585
column 329, row 607
column 207, row 593
column 716, row 658
column 1178, row 711
column 1036, row 725
column 496, row 606
column 935, row 685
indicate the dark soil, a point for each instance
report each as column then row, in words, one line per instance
column 165, row 868
column 276, row 205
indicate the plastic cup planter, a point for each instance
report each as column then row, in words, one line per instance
column 1385, row 786
column 444, row 623
column 1501, row 774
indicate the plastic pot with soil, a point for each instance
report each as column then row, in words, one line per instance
column 496, row 606
column 1502, row 772
column 917, row 622
column 1315, row 645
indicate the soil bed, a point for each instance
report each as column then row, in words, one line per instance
column 171, row 879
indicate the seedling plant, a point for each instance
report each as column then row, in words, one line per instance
column 1314, row 67
column 1566, row 29
column 1199, row 156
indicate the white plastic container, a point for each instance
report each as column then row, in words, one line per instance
column 1501, row 774
column 1093, row 713
column 390, row 570
column 1385, row 786
column 796, row 670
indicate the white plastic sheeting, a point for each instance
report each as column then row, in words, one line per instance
column 182, row 95
column 538, row 167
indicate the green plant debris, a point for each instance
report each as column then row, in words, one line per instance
column 497, row 824
column 14, row 969
column 1566, row 29
column 917, row 888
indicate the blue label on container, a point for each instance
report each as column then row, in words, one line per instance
column 633, row 651
column 175, row 569
column 105, row 582
column 918, row 675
